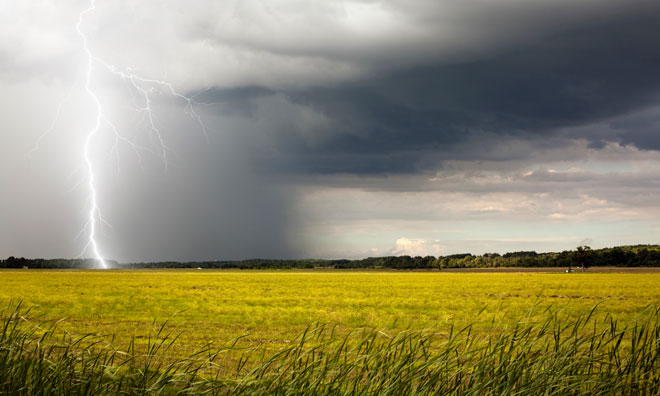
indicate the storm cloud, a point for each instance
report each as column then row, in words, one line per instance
column 335, row 129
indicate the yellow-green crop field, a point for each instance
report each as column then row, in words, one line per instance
column 272, row 308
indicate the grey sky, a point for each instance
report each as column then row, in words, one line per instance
column 334, row 128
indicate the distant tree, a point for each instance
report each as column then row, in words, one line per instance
column 530, row 253
column 583, row 257
column 13, row 262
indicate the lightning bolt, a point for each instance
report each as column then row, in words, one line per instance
column 37, row 145
column 141, row 85
column 94, row 213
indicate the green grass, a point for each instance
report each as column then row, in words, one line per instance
column 272, row 308
column 559, row 355
column 239, row 332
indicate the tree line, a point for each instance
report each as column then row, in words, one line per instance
column 583, row 256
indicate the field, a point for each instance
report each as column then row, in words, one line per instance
column 272, row 308
column 327, row 332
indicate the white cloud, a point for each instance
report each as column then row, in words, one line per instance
column 417, row 247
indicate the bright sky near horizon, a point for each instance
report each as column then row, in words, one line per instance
column 330, row 128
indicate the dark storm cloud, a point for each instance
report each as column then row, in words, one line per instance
column 585, row 75
column 642, row 130
column 468, row 105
